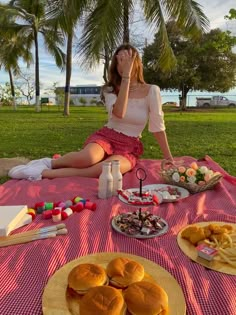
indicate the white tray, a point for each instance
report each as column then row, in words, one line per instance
column 184, row 193
column 140, row 236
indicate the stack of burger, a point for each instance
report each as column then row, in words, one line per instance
column 118, row 290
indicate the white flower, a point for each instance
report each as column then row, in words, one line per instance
column 176, row 177
column 203, row 169
column 191, row 179
column 210, row 173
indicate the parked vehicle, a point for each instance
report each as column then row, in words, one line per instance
column 214, row 101
column 170, row 104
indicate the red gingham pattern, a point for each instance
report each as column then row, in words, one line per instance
column 26, row 268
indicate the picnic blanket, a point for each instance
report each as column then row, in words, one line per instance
column 26, row 268
column 7, row 163
column 16, row 192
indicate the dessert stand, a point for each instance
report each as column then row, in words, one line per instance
column 144, row 220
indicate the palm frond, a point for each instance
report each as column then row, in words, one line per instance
column 186, row 13
column 103, row 27
column 154, row 14
column 66, row 12
column 16, row 12
column 167, row 60
column 52, row 44
column 190, row 17
column 13, row 47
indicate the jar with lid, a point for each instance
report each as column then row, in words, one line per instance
column 117, row 177
column 105, row 182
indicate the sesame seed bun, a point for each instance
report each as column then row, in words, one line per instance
column 103, row 300
column 85, row 276
column 123, row 271
column 146, row 298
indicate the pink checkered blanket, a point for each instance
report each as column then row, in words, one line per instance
column 26, row 268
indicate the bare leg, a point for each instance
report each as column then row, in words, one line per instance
column 92, row 171
column 91, row 154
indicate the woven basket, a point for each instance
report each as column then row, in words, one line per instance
column 167, row 169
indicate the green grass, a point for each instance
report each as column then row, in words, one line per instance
column 194, row 133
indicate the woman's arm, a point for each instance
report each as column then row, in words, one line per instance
column 125, row 64
column 163, row 143
column 120, row 106
column 156, row 122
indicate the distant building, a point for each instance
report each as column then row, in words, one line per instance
column 87, row 95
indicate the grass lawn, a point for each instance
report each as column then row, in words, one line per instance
column 194, row 133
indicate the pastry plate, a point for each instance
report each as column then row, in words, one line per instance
column 55, row 301
column 190, row 251
column 140, row 236
column 184, row 193
column 136, row 204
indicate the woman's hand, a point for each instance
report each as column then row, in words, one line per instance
column 125, row 62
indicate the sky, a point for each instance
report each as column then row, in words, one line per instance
column 49, row 73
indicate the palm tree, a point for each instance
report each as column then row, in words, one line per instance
column 32, row 20
column 66, row 15
column 13, row 47
column 108, row 25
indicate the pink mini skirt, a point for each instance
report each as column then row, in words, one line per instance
column 114, row 142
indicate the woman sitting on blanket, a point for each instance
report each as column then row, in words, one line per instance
column 130, row 103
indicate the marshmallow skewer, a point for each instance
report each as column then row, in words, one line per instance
column 52, row 228
column 33, row 237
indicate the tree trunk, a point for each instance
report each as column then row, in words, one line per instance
column 28, row 99
column 126, row 22
column 68, row 74
column 106, row 64
column 12, row 90
column 37, row 87
column 184, row 92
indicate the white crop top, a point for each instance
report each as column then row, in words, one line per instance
column 139, row 112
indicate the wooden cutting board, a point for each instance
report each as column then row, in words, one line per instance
column 54, row 301
column 190, row 251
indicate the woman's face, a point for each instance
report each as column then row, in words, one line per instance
column 123, row 62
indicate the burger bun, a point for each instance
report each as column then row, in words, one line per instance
column 102, row 300
column 123, row 271
column 86, row 276
column 146, row 298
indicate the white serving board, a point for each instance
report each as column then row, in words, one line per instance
column 10, row 216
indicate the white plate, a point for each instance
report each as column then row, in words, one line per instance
column 184, row 193
column 161, row 232
column 138, row 205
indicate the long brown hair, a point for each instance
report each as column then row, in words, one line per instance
column 137, row 71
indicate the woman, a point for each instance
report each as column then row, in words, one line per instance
column 130, row 103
